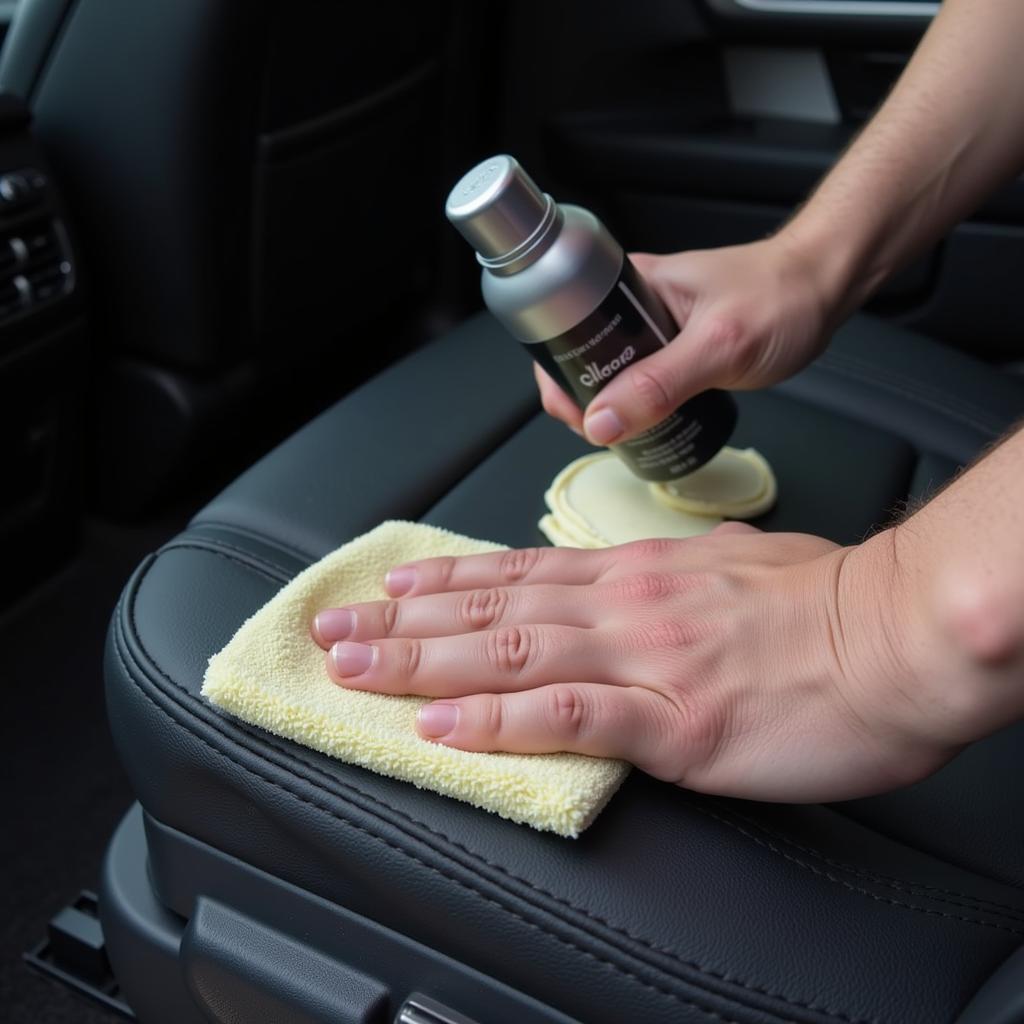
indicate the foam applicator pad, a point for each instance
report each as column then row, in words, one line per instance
column 271, row 674
column 596, row 501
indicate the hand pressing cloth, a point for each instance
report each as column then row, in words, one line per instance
column 271, row 674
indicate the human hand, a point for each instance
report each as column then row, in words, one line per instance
column 740, row 663
column 749, row 316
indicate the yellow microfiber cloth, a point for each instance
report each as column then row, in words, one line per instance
column 272, row 675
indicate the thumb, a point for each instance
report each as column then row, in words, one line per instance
column 646, row 392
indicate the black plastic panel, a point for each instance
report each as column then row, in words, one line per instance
column 254, row 947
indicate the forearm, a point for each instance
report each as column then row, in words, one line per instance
column 950, row 131
column 942, row 597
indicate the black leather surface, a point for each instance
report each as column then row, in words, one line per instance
column 671, row 907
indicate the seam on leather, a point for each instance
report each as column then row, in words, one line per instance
column 264, row 567
column 248, row 531
column 711, row 972
column 978, row 903
column 953, row 860
column 728, row 979
column 124, row 653
column 905, row 388
column 618, row 929
column 849, row 885
column 907, row 885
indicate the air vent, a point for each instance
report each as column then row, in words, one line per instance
column 36, row 267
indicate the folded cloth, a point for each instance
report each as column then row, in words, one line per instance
column 271, row 674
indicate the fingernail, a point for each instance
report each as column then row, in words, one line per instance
column 400, row 581
column 437, row 720
column 352, row 659
column 334, row 624
column 604, row 426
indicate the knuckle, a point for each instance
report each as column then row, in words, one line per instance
column 389, row 617
column 481, row 609
column 651, row 394
column 438, row 571
column 686, row 733
column 491, row 714
column 735, row 344
column 517, row 563
column 512, row 649
column 651, row 549
column 445, row 568
column 567, row 712
column 408, row 658
column 643, row 587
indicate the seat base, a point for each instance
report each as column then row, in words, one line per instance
column 672, row 906
column 232, row 940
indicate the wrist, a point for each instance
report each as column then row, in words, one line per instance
column 843, row 262
column 885, row 662
column 930, row 647
column 970, row 633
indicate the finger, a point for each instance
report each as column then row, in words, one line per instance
column 556, row 402
column 710, row 352
column 627, row 722
column 645, row 263
column 733, row 526
column 495, row 661
column 497, row 569
column 455, row 613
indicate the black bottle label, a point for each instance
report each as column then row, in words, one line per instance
column 629, row 324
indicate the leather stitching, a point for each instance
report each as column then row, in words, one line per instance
column 122, row 654
column 849, row 885
column 726, row 978
column 568, row 904
column 264, row 567
column 248, row 531
column 646, row 943
column 978, row 903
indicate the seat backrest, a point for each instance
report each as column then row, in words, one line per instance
column 237, row 172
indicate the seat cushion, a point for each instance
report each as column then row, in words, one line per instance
column 672, row 906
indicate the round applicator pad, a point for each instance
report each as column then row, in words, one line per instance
column 735, row 484
column 596, row 501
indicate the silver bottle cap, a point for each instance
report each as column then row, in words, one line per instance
column 501, row 212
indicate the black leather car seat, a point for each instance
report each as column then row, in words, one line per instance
column 239, row 175
column 260, row 880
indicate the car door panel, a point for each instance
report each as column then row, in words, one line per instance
column 709, row 127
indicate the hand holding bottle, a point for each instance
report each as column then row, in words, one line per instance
column 749, row 316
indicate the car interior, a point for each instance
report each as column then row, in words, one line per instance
column 236, row 332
